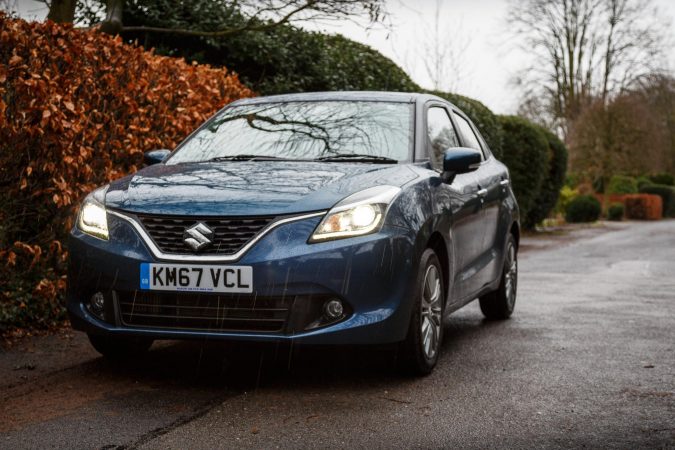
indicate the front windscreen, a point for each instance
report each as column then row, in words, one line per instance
column 303, row 130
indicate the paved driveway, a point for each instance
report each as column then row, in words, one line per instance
column 587, row 359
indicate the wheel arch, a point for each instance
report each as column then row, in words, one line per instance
column 440, row 247
column 515, row 231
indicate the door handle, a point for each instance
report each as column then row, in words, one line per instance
column 482, row 192
column 504, row 183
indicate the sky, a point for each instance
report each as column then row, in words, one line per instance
column 475, row 31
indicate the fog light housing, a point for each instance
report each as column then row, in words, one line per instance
column 333, row 309
column 96, row 305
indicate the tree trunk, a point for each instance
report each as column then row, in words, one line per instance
column 113, row 17
column 62, row 11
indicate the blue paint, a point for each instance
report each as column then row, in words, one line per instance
column 375, row 275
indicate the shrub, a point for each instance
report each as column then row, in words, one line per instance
column 667, row 194
column 663, row 178
column 486, row 121
column 620, row 184
column 615, row 211
column 553, row 181
column 584, row 208
column 77, row 109
column 644, row 207
column 526, row 154
column 567, row 194
column 282, row 59
column 643, row 181
column 573, row 179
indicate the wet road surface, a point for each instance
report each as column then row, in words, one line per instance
column 587, row 360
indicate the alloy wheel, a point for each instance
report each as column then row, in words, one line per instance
column 431, row 312
column 510, row 276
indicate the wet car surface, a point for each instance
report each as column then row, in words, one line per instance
column 318, row 219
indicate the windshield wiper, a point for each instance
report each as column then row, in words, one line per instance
column 358, row 158
column 245, row 157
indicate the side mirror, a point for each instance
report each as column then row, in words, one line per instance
column 458, row 160
column 155, row 156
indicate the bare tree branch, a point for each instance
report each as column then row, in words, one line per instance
column 584, row 49
column 268, row 14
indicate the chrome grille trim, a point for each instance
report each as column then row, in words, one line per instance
column 158, row 254
column 229, row 234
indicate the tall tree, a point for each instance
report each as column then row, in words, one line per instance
column 634, row 133
column 583, row 49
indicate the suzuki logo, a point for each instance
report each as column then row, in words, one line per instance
column 198, row 236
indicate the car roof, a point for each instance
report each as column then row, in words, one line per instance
column 381, row 96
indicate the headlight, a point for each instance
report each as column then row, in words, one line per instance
column 93, row 218
column 359, row 214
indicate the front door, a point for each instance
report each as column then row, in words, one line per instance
column 489, row 177
column 459, row 202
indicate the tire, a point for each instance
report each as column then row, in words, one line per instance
column 418, row 354
column 499, row 305
column 120, row 347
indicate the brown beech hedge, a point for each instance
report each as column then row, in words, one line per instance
column 77, row 109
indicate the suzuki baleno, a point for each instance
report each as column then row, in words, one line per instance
column 326, row 218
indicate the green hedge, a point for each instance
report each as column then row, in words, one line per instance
column 667, row 194
column 526, row 154
column 283, row 59
column 615, row 211
column 486, row 121
column 620, row 184
column 584, row 208
column 552, row 183
column 643, row 181
column 663, row 178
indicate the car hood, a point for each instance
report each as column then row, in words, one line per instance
column 248, row 187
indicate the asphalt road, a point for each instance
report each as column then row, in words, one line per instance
column 587, row 360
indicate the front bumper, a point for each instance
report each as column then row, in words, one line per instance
column 371, row 274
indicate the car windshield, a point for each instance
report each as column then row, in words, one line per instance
column 327, row 130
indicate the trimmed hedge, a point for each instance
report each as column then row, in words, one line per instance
column 663, row 178
column 584, row 208
column 615, row 211
column 620, row 184
column 643, row 206
column 283, row 59
column 526, row 154
column 553, row 181
column 667, row 194
column 643, row 181
column 486, row 121
column 78, row 109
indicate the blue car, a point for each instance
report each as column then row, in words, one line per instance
column 322, row 218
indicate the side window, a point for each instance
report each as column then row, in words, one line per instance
column 468, row 134
column 441, row 135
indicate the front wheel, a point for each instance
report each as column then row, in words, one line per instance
column 114, row 347
column 418, row 354
column 499, row 305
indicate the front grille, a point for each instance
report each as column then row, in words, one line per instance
column 204, row 312
column 230, row 234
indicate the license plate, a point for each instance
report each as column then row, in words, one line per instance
column 199, row 278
